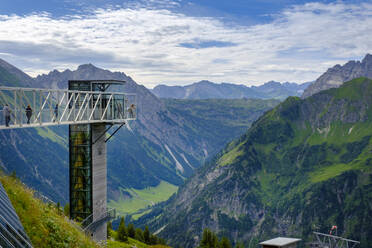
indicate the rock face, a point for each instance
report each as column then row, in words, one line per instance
column 334, row 77
column 208, row 90
column 302, row 167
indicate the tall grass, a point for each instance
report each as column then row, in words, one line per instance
column 44, row 224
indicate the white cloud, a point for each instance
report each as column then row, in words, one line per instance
column 146, row 43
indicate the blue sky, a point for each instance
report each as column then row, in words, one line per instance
column 182, row 41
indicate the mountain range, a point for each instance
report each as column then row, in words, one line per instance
column 303, row 166
column 207, row 90
column 337, row 75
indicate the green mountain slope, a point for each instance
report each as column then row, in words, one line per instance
column 302, row 167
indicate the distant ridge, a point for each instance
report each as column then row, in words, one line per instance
column 207, row 90
column 12, row 76
column 334, row 77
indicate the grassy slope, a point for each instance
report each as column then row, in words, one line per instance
column 48, row 228
column 143, row 199
column 131, row 243
column 112, row 243
column 44, row 226
column 47, row 133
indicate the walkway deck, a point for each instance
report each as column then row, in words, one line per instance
column 50, row 107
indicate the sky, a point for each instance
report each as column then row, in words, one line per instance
column 178, row 42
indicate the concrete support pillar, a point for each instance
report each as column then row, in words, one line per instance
column 99, row 170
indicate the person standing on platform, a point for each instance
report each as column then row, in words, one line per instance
column 28, row 113
column 55, row 112
column 131, row 110
column 7, row 111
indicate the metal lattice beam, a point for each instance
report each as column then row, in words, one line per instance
column 74, row 107
column 331, row 241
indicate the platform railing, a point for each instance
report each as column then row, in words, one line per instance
column 90, row 224
column 332, row 241
column 57, row 107
column 11, row 235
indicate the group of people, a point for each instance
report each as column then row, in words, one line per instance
column 7, row 114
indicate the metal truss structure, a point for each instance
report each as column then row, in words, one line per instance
column 58, row 107
column 331, row 241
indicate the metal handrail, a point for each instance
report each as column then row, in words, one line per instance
column 65, row 90
column 89, row 218
column 57, row 107
column 15, row 231
column 334, row 240
column 109, row 213
column 4, row 239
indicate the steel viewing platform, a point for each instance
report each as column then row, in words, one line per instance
column 51, row 107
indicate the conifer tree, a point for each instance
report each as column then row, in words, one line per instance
column 209, row 239
column 153, row 239
column 239, row 245
column 122, row 232
column 139, row 235
column 131, row 231
column 225, row 243
column 146, row 235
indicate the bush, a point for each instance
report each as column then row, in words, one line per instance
column 66, row 210
column 109, row 229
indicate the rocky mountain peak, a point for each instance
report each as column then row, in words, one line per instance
column 367, row 59
column 85, row 67
column 203, row 82
column 337, row 75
